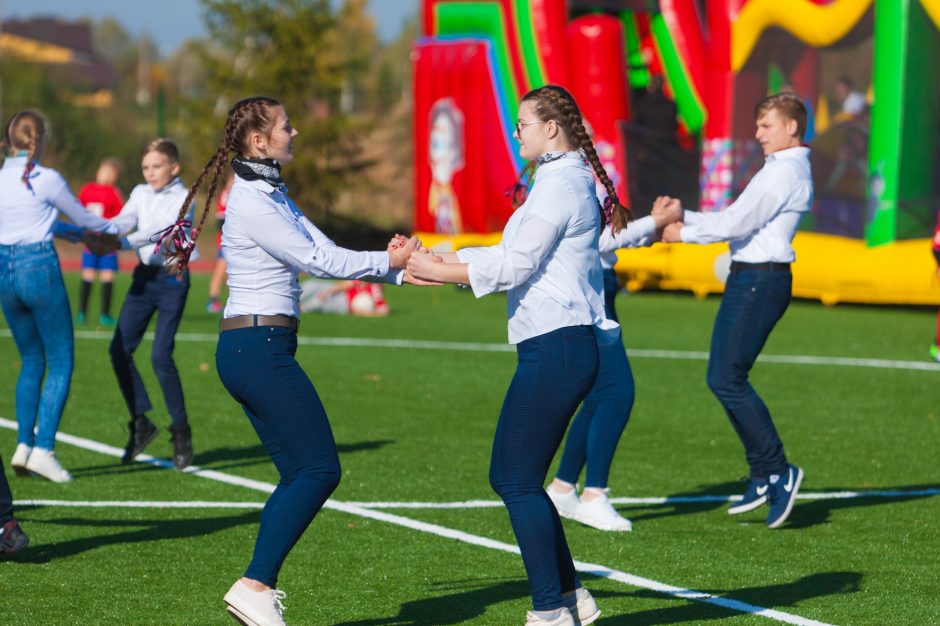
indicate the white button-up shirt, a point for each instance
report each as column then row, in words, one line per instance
column 548, row 259
column 636, row 234
column 29, row 216
column 149, row 211
column 267, row 242
column 761, row 223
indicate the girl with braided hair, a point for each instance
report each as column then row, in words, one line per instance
column 32, row 293
column 549, row 265
column 267, row 242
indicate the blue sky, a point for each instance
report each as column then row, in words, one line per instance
column 170, row 22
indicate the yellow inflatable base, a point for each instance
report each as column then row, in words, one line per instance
column 828, row 268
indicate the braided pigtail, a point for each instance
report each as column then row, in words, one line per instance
column 518, row 192
column 246, row 116
column 555, row 103
column 28, row 131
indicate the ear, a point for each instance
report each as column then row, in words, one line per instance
column 257, row 144
column 175, row 170
column 553, row 128
column 792, row 127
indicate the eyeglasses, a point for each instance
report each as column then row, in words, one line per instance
column 521, row 125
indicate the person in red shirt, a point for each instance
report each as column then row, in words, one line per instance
column 103, row 199
column 935, row 348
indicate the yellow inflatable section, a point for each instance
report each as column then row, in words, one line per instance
column 816, row 25
column 829, row 269
column 932, row 7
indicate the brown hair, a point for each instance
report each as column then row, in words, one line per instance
column 251, row 115
column 165, row 147
column 28, row 130
column 552, row 102
column 788, row 105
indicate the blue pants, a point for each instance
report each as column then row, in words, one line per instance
column 555, row 372
column 258, row 368
column 37, row 309
column 752, row 304
column 153, row 291
column 6, row 497
column 595, row 431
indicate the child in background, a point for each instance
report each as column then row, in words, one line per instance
column 104, row 199
column 347, row 297
column 150, row 212
column 218, row 273
column 935, row 348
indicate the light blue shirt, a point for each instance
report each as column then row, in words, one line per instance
column 548, row 260
column 146, row 213
column 267, row 242
column 761, row 223
column 29, row 216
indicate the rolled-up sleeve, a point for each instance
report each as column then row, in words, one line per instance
column 513, row 265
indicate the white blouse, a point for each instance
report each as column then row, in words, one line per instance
column 29, row 216
column 267, row 242
column 548, row 259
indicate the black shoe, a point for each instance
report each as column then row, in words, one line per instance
column 142, row 432
column 12, row 537
column 182, row 438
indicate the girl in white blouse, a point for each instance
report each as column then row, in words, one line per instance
column 31, row 289
column 549, row 265
column 267, row 242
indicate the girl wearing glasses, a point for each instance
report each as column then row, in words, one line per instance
column 548, row 262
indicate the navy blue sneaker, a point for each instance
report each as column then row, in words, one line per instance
column 754, row 496
column 782, row 493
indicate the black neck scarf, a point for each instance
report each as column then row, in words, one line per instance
column 267, row 170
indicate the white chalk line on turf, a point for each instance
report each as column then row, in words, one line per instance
column 139, row 504
column 450, row 533
column 688, row 355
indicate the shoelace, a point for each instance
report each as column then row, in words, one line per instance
column 277, row 596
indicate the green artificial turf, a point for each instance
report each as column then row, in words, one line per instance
column 415, row 424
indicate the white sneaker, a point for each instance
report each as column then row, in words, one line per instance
column 43, row 463
column 20, row 457
column 255, row 608
column 599, row 514
column 559, row 617
column 582, row 606
column 565, row 503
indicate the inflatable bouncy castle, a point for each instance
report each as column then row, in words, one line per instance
column 667, row 88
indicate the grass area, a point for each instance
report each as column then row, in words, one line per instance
column 416, row 425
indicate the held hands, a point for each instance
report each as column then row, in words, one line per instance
column 421, row 268
column 671, row 234
column 400, row 249
column 100, row 243
column 665, row 211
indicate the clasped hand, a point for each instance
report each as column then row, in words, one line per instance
column 667, row 214
column 100, row 244
column 415, row 255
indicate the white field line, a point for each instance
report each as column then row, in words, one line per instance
column 139, row 504
column 359, row 342
column 450, row 533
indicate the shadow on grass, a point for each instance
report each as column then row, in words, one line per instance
column 719, row 491
column 461, row 602
column 143, row 530
column 815, row 512
column 770, row 596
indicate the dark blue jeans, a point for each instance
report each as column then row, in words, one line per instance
column 554, row 374
column 37, row 309
column 153, row 291
column 258, row 368
column 595, row 431
column 752, row 304
column 6, row 497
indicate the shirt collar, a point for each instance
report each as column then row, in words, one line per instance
column 259, row 184
column 796, row 152
column 176, row 182
column 567, row 159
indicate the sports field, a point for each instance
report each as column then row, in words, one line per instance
column 414, row 534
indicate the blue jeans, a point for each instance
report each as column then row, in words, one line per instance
column 258, row 369
column 37, row 309
column 6, row 497
column 153, row 291
column 752, row 304
column 554, row 374
column 595, row 431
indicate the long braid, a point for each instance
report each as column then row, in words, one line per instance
column 553, row 102
column 250, row 114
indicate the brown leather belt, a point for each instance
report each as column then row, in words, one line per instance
column 250, row 321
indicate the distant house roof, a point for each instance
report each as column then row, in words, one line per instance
column 52, row 41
